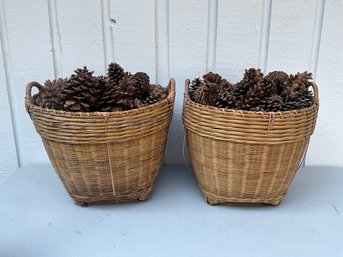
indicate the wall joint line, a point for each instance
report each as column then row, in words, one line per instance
column 107, row 32
column 5, row 48
column 162, row 41
column 265, row 35
column 317, row 31
column 212, row 35
column 56, row 45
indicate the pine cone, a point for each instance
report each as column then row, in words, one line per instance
column 124, row 93
column 213, row 90
column 156, row 93
column 195, row 84
column 250, row 78
column 141, row 83
column 272, row 103
column 226, row 100
column 115, row 73
column 240, row 89
column 215, row 78
column 50, row 96
column 207, row 94
column 80, row 91
column 300, row 81
column 299, row 100
column 280, row 79
column 108, row 99
column 199, row 94
column 256, row 93
column 297, row 104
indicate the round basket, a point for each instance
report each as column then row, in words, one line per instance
column 245, row 157
column 105, row 157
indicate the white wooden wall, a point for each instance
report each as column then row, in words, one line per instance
column 43, row 39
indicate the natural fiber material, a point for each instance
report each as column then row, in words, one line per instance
column 246, row 157
column 105, row 157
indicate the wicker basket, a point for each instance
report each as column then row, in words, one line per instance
column 244, row 157
column 105, row 157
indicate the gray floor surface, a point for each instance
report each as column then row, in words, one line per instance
column 38, row 219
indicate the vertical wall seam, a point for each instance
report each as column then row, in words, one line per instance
column 56, row 44
column 316, row 39
column 107, row 33
column 5, row 48
column 212, row 21
column 162, row 41
column 265, row 34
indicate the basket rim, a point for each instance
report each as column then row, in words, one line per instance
column 189, row 101
column 31, row 107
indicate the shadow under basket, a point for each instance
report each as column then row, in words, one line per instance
column 245, row 157
column 105, row 157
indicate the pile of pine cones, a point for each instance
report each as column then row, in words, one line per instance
column 275, row 92
column 83, row 92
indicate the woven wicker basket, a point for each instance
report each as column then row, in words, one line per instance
column 105, row 157
column 244, row 157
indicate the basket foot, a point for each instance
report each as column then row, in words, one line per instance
column 143, row 198
column 82, row 204
column 212, row 201
column 275, row 202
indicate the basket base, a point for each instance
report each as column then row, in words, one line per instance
column 129, row 198
column 218, row 200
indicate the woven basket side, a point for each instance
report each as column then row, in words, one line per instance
column 249, row 127
column 246, row 157
column 106, row 157
column 102, row 127
column 91, row 173
column 244, row 172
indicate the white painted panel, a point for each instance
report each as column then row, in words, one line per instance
column 238, row 37
column 326, row 147
column 187, row 53
column 81, row 35
column 291, row 34
column 134, row 35
column 29, row 41
column 8, row 159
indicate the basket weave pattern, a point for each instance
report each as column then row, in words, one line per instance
column 246, row 157
column 105, row 157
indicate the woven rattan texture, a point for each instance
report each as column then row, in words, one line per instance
column 105, row 157
column 245, row 157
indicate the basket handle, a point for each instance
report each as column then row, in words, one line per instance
column 171, row 86
column 315, row 91
column 30, row 85
column 28, row 95
column 187, row 82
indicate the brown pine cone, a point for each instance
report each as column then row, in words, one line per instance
column 50, row 96
column 80, row 91
column 115, row 73
column 300, row 81
column 299, row 100
column 272, row 103
column 250, row 78
column 256, row 93
column 281, row 80
column 141, row 83
column 156, row 93
column 195, row 84
column 215, row 78
column 226, row 100
column 199, row 94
